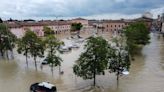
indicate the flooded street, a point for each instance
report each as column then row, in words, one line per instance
column 146, row 73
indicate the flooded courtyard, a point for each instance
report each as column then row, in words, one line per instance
column 146, row 72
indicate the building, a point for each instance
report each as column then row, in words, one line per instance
column 63, row 26
column 84, row 22
column 20, row 27
column 109, row 25
column 114, row 25
column 148, row 21
column 117, row 25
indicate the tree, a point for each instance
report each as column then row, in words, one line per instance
column 1, row 21
column 94, row 60
column 47, row 31
column 53, row 44
column 24, row 44
column 119, row 62
column 31, row 44
column 76, row 27
column 53, row 60
column 7, row 40
column 136, row 34
column 2, row 35
column 36, row 48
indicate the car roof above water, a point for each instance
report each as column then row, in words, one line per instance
column 46, row 84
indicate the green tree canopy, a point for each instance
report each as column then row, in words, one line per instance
column 53, row 60
column 76, row 27
column 1, row 21
column 32, row 45
column 119, row 62
column 7, row 39
column 24, row 44
column 37, row 48
column 53, row 44
column 137, row 34
column 47, row 31
column 94, row 60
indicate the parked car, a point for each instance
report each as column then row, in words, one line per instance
column 74, row 45
column 44, row 63
column 43, row 87
column 64, row 49
column 80, row 40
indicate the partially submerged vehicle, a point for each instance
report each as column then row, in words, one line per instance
column 43, row 87
column 73, row 45
column 80, row 40
column 44, row 63
column 64, row 49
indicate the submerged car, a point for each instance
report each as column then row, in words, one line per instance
column 73, row 45
column 44, row 63
column 43, row 87
column 80, row 40
column 64, row 49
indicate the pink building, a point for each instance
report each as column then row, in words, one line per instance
column 19, row 28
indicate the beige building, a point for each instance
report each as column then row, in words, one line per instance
column 110, row 25
column 19, row 28
column 114, row 25
column 118, row 25
column 84, row 22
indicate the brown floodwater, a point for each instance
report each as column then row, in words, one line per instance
column 146, row 72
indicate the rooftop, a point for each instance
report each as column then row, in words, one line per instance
column 17, row 24
column 46, row 84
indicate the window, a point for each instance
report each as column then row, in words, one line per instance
column 111, row 25
column 115, row 25
column 106, row 25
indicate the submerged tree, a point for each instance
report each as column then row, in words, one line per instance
column 32, row 45
column 94, row 60
column 1, row 21
column 52, row 44
column 24, row 45
column 36, row 48
column 136, row 34
column 119, row 63
column 54, row 61
column 7, row 40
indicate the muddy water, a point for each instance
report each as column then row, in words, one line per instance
column 146, row 73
